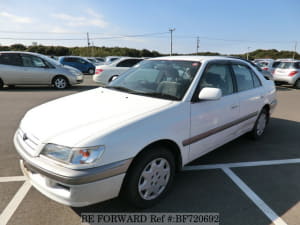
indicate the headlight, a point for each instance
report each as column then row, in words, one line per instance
column 74, row 157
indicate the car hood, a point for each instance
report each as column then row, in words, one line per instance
column 71, row 120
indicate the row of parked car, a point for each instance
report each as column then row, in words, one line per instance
column 19, row 68
column 26, row 68
column 283, row 71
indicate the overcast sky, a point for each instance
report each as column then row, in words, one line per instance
column 230, row 26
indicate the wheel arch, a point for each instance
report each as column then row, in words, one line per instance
column 267, row 108
column 168, row 144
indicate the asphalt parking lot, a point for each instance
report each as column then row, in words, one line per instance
column 247, row 182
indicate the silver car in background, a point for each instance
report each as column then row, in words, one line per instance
column 26, row 68
column 288, row 72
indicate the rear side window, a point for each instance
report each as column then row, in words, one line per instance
column 10, row 59
column 245, row 77
column 128, row 62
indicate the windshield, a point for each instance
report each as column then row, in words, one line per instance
column 285, row 65
column 158, row 78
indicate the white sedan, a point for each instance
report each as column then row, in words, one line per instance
column 108, row 72
column 131, row 137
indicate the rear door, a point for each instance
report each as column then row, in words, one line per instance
column 213, row 122
column 250, row 95
column 11, row 70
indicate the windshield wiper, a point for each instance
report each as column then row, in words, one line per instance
column 159, row 95
column 120, row 88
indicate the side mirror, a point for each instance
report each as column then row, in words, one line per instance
column 208, row 93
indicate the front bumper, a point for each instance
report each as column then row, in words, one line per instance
column 68, row 186
column 74, row 195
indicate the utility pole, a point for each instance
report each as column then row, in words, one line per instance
column 198, row 45
column 295, row 49
column 248, row 48
column 171, row 32
column 88, row 39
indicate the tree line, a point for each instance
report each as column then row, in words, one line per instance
column 81, row 51
column 118, row 51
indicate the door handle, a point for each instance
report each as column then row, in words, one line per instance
column 234, row 106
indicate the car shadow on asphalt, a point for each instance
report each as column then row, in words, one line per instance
column 284, row 88
column 213, row 191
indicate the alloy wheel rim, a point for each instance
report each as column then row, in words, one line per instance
column 154, row 178
column 261, row 124
column 60, row 83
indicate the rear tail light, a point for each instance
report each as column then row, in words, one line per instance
column 98, row 71
column 265, row 68
column 293, row 73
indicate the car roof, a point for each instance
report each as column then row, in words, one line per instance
column 22, row 52
column 199, row 58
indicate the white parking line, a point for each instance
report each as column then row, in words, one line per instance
column 254, row 197
column 14, row 203
column 11, row 179
column 242, row 164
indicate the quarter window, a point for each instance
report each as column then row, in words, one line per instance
column 218, row 76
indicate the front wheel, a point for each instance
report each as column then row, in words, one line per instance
column 260, row 125
column 60, row 82
column 91, row 71
column 150, row 177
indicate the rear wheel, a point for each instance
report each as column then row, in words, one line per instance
column 1, row 84
column 260, row 124
column 60, row 82
column 149, row 178
column 297, row 84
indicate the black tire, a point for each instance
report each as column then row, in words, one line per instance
column 1, row 84
column 297, row 84
column 132, row 190
column 60, row 82
column 260, row 125
column 91, row 71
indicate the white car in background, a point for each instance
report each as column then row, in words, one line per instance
column 288, row 72
column 106, row 73
column 131, row 136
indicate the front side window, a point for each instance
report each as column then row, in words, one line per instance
column 167, row 79
column 244, row 77
column 218, row 76
column 32, row 61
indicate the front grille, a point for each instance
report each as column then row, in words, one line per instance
column 28, row 142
